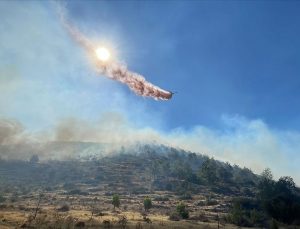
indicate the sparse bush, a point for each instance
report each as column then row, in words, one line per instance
column 147, row 203
column 182, row 211
column 116, row 201
column 174, row 216
column 64, row 208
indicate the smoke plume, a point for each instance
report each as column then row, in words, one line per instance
column 116, row 70
column 75, row 138
column 10, row 131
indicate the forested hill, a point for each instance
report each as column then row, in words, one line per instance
column 161, row 167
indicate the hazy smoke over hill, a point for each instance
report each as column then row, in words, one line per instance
column 241, row 139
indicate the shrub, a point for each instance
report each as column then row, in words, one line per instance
column 235, row 215
column 116, row 201
column 174, row 216
column 244, row 212
column 182, row 211
column 147, row 203
column 64, row 208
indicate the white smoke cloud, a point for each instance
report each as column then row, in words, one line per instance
column 250, row 143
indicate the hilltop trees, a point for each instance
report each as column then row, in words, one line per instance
column 116, row 201
column 281, row 199
column 208, row 171
column 276, row 200
column 266, row 185
column 224, row 173
column 283, row 204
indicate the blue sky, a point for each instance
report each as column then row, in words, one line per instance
column 221, row 57
column 234, row 65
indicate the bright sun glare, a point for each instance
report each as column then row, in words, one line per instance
column 103, row 54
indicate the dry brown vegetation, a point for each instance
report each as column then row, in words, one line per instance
column 96, row 211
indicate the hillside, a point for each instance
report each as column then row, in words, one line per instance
column 85, row 185
column 143, row 167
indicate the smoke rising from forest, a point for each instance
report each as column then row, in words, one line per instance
column 238, row 141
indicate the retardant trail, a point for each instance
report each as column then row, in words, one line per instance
column 115, row 70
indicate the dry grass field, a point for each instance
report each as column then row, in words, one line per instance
column 95, row 210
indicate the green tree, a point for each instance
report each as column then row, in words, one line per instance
column 116, row 201
column 266, row 185
column 267, row 174
column 285, row 185
column 182, row 211
column 208, row 171
column 280, row 199
column 224, row 173
column 236, row 213
column 147, row 203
